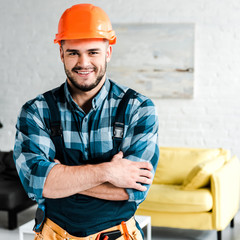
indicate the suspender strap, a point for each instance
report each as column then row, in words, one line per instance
column 118, row 126
column 55, row 120
column 55, row 123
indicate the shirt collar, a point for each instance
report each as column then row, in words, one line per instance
column 69, row 97
column 97, row 100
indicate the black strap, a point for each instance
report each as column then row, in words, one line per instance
column 119, row 124
column 55, row 123
column 55, row 119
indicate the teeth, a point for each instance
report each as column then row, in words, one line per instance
column 83, row 72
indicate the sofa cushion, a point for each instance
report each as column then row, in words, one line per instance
column 172, row 198
column 175, row 163
column 199, row 176
column 226, row 154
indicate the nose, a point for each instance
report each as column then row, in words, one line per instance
column 83, row 61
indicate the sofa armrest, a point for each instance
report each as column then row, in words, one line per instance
column 225, row 187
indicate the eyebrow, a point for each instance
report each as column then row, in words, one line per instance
column 72, row 50
column 89, row 50
column 94, row 50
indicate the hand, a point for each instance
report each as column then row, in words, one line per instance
column 124, row 173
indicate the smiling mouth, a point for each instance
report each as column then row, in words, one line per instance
column 83, row 72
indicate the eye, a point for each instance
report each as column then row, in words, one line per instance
column 73, row 53
column 93, row 53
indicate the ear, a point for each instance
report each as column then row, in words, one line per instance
column 61, row 53
column 109, row 53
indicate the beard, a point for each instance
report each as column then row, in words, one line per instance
column 85, row 87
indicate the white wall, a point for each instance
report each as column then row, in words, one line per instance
column 30, row 64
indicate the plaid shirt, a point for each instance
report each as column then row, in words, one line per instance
column 34, row 150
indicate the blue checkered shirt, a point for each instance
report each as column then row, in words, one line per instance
column 34, row 150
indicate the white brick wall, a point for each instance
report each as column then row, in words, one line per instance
column 30, row 64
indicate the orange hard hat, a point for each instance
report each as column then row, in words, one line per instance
column 83, row 21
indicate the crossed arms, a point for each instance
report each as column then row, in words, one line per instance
column 106, row 180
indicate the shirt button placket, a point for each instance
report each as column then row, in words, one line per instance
column 85, row 134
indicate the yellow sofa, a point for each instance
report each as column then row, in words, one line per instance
column 194, row 189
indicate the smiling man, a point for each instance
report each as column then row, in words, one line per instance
column 85, row 65
column 85, row 159
column 80, row 57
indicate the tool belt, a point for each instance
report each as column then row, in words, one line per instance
column 124, row 231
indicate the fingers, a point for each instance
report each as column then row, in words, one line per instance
column 146, row 174
column 139, row 187
column 125, row 173
column 145, row 165
column 144, row 180
column 145, row 177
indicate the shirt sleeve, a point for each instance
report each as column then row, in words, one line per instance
column 141, row 142
column 33, row 151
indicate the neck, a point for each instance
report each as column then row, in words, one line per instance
column 82, row 98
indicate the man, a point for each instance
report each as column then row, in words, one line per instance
column 86, row 186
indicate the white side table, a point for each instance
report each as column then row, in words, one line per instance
column 142, row 220
column 26, row 228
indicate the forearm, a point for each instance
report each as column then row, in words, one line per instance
column 120, row 173
column 63, row 181
column 107, row 191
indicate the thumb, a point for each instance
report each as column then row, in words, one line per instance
column 120, row 154
column 57, row 161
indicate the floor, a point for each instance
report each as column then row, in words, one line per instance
column 157, row 233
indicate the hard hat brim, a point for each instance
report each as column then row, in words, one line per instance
column 110, row 36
